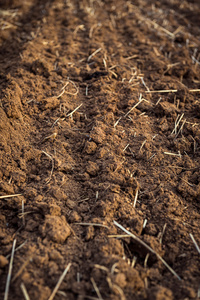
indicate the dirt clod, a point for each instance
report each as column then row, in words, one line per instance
column 55, row 228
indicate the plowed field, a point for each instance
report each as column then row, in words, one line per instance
column 99, row 149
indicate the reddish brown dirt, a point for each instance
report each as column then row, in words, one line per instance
column 83, row 167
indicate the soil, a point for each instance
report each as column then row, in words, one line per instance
column 99, row 128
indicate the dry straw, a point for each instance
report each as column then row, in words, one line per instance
column 10, row 271
column 148, row 248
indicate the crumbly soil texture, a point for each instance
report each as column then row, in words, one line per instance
column 99, row 149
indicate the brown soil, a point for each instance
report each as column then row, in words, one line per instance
column 79, row 148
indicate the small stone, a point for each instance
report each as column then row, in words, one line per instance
column 3, row 261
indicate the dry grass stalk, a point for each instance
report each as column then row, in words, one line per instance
column 24, row 291
column 63, row 90
column 86, row 90
column 142, row 145
column 173, row 154
column 125, row 147
column 93, row 28
column 19, row 247
column 195, row 243
column 158, row 101
column 148, row 248
column 118, row 236
column 52, row 160
column 96, row 289
column 20, row 215
column 142, row 79
column 101, row 268
column 170, row 66
column 146, row 260
column 10, row 271
column 162, row 233
column 172, row 91
column 9, row 12
column 92, row 224
column 60, row 95
column 145, row 223
column 114, row 268
column 79, row 27
column 156, row 26
column 131, row 57
column 21, row 269
column 136, row 197
column 116, row 288
column 177, row 122
column 9, row 196
column 151, row 156
column 62, row 293
column 190, row 184
column 93, row 54
column 59, row 282
column 181, row 128
column 140, row 100
column 71, row 114
column 133, row 262
column 76, row 88
column 50, row 137
column 23, row 219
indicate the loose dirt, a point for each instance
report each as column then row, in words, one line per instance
column 99, row 128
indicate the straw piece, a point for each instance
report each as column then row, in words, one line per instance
column 59, row 282
column 96, row 289
column 9, row 196
column 195, row 243
column 92, row 224
column 24, row 291
column 10, row 271
column 171, row 91
column 148, row 248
